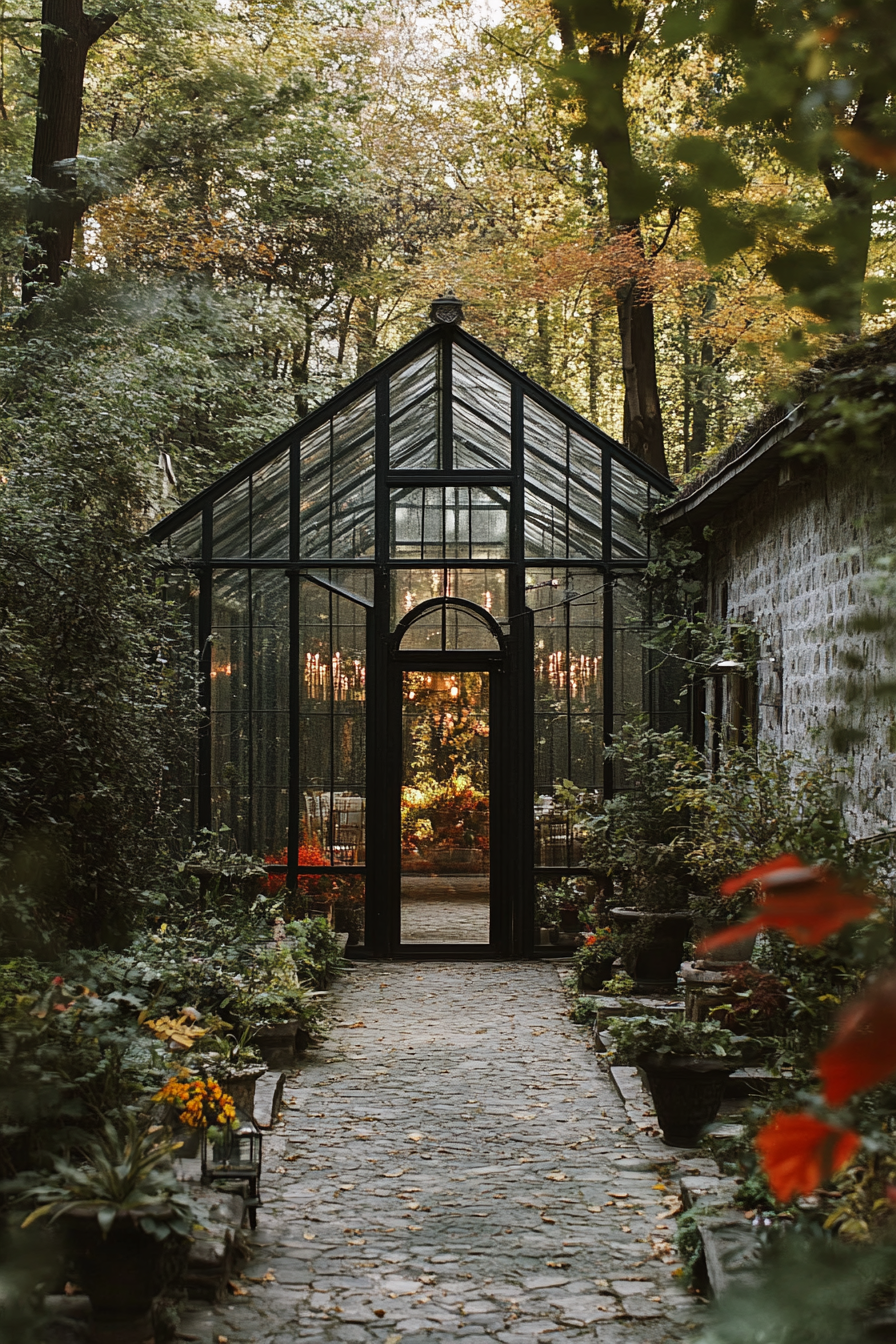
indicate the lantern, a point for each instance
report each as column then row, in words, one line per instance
column 232, row 1156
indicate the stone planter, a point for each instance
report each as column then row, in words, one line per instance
column 241, row 1086
column 121, row 1274
column 654, row 965
column 687, row 1093
column 731, row 955
column 279, row 1043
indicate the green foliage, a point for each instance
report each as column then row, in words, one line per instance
column 810, row 1289
column 638, row 838
column 635, row 1037
column 599, row 947
column 126, row 1173
column 583, row 1011
column 618, row 986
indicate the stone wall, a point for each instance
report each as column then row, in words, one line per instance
column 791, row 557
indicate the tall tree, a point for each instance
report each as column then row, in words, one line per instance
column 600, row 39
column 55, row 205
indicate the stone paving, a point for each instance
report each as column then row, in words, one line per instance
column 454, row 1165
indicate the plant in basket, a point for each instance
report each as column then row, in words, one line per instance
column 686, row 1065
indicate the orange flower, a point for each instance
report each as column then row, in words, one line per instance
column 862, row 1051
column 799, row 1153
column 808, row 904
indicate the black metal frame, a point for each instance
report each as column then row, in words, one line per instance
column 512, row 760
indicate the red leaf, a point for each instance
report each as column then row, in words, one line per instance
column 862, row 1051
column 808, row 904
column 759, row 873
column 799, row 1153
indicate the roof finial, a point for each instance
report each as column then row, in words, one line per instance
column 447, row 308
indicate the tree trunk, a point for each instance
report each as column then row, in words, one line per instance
column 606, row 129
column 67, row 34
column 366, row 314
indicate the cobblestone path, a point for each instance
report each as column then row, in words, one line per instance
column 454, row 1165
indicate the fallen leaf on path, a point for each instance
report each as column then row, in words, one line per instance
column 236, row 1289
column 415, row 1138
column 309, row 1236
column 522, row 1115
column 545, row 1219
column 556, row 1176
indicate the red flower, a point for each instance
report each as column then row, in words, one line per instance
column 862, row 1051
column 808, row 904
column 58, row 980
column 799, row 1153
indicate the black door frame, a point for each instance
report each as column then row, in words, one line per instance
column 499, row 940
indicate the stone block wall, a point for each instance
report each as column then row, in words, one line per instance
column 791, row 557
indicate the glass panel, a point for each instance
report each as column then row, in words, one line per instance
column 486, row 587
column 332, row 750
column 585, row 498
column 336, row 503
column 481, row 415
column 450, row 628
column 353, row 479
column 445, row 807
column 450, row 522
column 187, row 540
column 546, row 477
column 230, row 529
column 568, row 705
column 414, row 415
column 270, row 508
column 630, row 500
column 270, row 644
column 314, row 493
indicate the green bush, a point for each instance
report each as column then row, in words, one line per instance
column 635, row 1037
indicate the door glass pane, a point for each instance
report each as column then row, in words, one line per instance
column 445, row 807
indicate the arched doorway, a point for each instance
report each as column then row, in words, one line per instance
column 448, row 675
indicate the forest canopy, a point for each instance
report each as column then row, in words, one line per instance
column 652, row 207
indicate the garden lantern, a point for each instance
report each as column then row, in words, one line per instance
column 232, row 1156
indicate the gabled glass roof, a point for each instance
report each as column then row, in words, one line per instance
column 442, row 452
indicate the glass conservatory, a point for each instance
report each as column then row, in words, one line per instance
column 418, row 620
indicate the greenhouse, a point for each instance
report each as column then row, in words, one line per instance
column 419, row 618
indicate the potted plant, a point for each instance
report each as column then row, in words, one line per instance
column 118, row 1211
column 235, row 1062
column 639, row 839
column 594, row 959
column 686, row 1065
column 759, row 803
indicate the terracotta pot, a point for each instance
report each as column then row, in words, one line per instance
column 654, row 965
column 687, row 1093
column 121, row 1274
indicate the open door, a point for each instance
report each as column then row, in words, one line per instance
column 445, row 807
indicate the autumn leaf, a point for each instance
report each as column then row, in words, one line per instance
column 806, row 903
column 879, row 154
column 862, row 1051
column 799, row 1153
